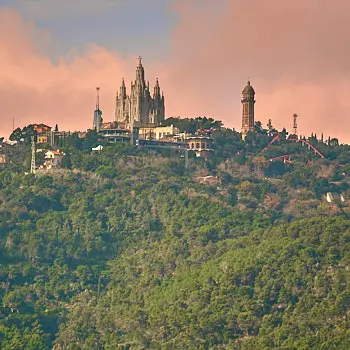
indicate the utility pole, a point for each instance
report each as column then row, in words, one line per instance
column 33, row 165
column 186, row 158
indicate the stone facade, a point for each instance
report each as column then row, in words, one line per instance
column 42, row 128
column 98, row 121
column 158, row 132
column 201, row 145
column 166, row 131
column 43, row 132
column 139, row 108
column 248, row 102
column 53, row 159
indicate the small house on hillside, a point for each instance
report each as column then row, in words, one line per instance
column 43, row 139
column 53, row 159
column 99, row 148
column 41, row 128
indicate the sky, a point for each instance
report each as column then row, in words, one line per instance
column 295, row 53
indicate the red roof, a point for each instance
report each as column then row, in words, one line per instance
column 56, row 153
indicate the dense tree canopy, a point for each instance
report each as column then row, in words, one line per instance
column 126, row 249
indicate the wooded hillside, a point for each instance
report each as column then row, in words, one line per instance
column 126, row 249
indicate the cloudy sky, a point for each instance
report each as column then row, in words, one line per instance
column 296, row 54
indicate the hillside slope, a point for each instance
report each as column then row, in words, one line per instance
column 136, row 254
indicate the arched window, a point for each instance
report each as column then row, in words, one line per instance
column 197, row 145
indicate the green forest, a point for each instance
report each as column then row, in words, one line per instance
column 127, row 249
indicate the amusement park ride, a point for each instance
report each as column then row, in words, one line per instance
column 294, row 138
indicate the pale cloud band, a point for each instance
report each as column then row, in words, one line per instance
column 53, row 9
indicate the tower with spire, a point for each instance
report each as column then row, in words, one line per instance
column 248, row 102
column 139, row 108
column 97, row 122
column 158, row 109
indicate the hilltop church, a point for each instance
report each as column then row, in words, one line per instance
column 139, row 108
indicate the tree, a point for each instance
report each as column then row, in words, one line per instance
column 259, row 129
column 157, row 258
column 16, row 135
column 276, row 168
column 333, row 142
column 66, row 161
column 106, row 171
column 284, row 133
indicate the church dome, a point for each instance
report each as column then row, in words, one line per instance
column 248, row 89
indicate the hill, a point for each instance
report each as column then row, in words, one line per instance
column 128, row 250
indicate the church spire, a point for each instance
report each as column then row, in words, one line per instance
column 141, row 106
column 123, row 89
column 140, row 74
column 156, row 89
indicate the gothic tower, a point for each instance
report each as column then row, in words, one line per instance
column 248, row 101
column 139, row 108
column 158, row 112
column 122, row 105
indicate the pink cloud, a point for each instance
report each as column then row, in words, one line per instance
column 33, row 89
column 296, row 54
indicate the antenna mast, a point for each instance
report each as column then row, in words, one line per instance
column 33, row 165
column 97, row 98
column 295, row 125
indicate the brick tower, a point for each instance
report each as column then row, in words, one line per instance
column 248, row 101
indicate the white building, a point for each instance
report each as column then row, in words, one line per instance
column 166, row 131
column 53, row 159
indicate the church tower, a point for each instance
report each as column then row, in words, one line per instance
column 248, row 101
column 158, row 112
column 139, row 108
column 97, row 122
